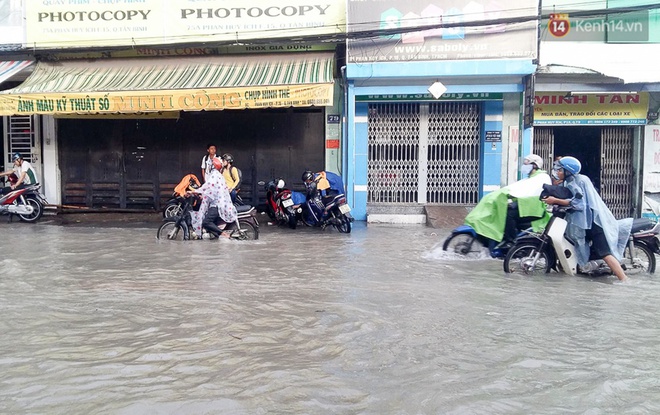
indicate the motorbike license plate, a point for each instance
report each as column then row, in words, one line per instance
column 287, row 202
column 344, row 209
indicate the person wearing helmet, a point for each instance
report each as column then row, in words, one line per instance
column 590, row 219
column 23, row 170
column 232, row 175
column 501, row 214
column 325, row 182
column 531, row 163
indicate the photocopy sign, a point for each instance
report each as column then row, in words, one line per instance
column 482, row 37
column 60, row 23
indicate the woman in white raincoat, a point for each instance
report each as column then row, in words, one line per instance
column 591, row 219
column 216, row 201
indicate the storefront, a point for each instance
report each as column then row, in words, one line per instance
column 408, row 147
column 604, row 131
column 119, row 127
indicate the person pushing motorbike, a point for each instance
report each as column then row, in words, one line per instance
column 499, row 214
column 590, row 219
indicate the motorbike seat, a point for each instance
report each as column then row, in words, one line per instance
column 332, row 198
column 243, row 208
column 641, row 224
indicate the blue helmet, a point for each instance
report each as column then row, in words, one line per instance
column 16, row 156
column 570, row 164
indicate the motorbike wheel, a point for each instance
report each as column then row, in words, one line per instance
column 172, row 209
column 463, row 244
column 519, row 260
column 640, row 261
column 293, row 221
column 170, row 231
column 248, row 232
column 38, row 210
column 344, row 225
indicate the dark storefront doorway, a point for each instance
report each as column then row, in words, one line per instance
column 582, row 143
column 606, row 154
column 135, row 163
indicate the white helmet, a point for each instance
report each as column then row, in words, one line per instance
column 535, row 159
column 280, row 184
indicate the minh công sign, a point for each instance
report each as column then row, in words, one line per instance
column 561, row 108
column 140, row 102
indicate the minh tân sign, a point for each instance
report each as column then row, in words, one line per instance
column 560, row 108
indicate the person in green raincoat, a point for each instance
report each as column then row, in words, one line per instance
column 499, row 213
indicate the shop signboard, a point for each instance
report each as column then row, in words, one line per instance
column 85, row 23
column 472, row 96
column 562, row 108
column 172, row 100
column 452, row 30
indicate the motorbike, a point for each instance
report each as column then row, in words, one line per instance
column 179, row 227
column 283, row 205
column 174, row 206
column 465, row 241
column 322, row 211
column 26, row 203
column 553, row 250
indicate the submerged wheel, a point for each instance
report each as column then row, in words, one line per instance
column 641, row 261
column 172, row 210
column 248, row 231
column 463, row 244
column 37, row 210
column 170, row 231
column 344, row 225
column 519, row 259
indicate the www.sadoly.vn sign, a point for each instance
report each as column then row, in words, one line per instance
column 170, row 100
column 558, row 108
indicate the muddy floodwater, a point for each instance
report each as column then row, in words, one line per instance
column 104, row 320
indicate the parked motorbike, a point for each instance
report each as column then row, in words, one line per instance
column 26, row 203
column 331, row 210
column 552, row 249
column 283, row 205
column 179, row 227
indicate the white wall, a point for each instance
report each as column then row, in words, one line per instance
column 51, row 185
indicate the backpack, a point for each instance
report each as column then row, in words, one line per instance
column 240, row 176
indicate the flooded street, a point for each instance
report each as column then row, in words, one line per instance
column 380, row 321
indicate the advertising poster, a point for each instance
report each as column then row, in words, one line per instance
column 11, row 22
column 476, row 30
column 651, row 182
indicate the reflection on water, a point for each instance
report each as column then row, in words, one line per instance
column 103, row 320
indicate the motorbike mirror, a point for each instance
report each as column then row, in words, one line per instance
column 261, row 182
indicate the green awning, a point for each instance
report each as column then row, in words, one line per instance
column 174, row 83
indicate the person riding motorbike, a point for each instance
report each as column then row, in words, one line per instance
column 499, row 214
column 589, row 219
column 325, row 182
column 24, row 172
column 216, row 203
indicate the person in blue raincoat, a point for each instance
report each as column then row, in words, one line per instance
column 590, row 219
